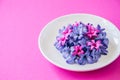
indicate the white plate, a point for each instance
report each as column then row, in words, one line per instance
column 48, row 35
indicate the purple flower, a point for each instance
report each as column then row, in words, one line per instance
column 82, row 44
column 71, row 59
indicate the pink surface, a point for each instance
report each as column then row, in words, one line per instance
column 20, row 24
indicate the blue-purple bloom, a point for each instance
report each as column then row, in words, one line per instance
column 82, row 44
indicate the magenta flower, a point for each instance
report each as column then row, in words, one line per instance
column 92, row 32
column 94, row 44
column 67, row 32
column 76, row 24
column 78, row 50
column 62, row 40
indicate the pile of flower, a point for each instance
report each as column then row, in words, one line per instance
column 82, row 44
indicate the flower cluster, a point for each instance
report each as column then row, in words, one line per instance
column 82, row 44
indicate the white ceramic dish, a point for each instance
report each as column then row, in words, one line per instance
column 48, row 35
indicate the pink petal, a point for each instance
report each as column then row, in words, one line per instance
column 93, row 41
column 92, row 47
column 98, row 44
column 63, row 42
column 82, row 51
column 76, row 24
column 89, row 43
column 90, row 35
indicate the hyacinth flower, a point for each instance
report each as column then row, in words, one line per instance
column 78, row 50
column 92, row 32
column 71, row 59
column 105, row 42
column 65, row 33
column 62, row 40
column 82, row 44
column 94, row 44
column 81, row 60
column 100, row 29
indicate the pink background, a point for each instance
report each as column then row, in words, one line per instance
column 20, row 24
